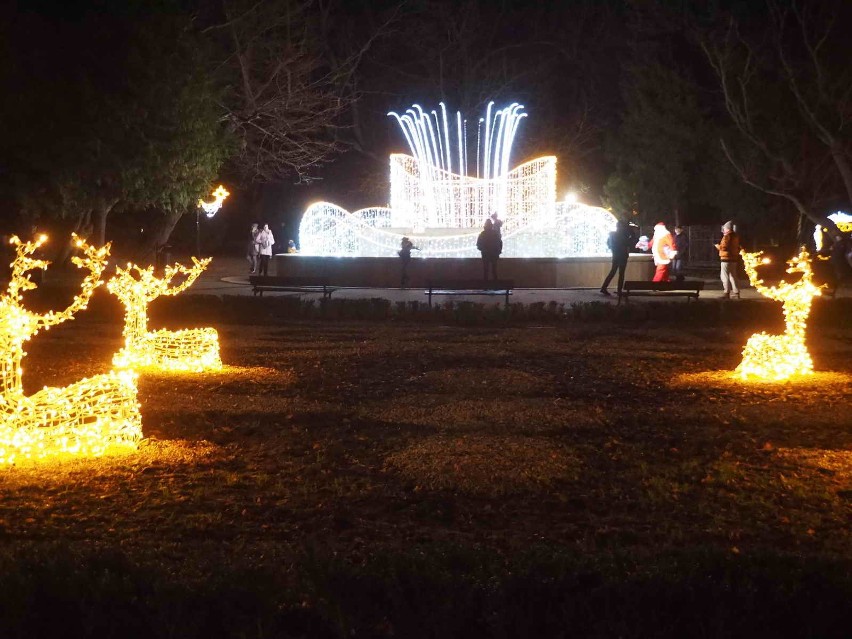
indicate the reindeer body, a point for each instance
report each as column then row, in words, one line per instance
column 779, row 357
column 185, row 350
column 83, row 418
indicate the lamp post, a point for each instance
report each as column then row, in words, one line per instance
column 210, row 209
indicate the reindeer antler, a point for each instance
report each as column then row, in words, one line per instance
column 95, row 261
column 140, row 284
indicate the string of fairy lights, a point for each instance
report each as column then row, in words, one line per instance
column 83, row 418
column 94, row 414
column 781, row 357
column 185, row 350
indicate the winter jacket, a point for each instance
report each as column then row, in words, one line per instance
column 662, row 246
column 729, row 247
column 489, row 244
column 265, row 240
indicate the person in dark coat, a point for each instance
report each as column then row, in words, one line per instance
column 681, row 244
column 490, row 245
column 404, row 252
column 619, row 243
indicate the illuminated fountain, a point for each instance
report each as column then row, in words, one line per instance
column 194, row 349
column 780, row 357
column 843, row 222
column 441, row 195
column 84, row 418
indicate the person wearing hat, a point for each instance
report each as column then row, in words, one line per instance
column 729, row 255
column 663, row 250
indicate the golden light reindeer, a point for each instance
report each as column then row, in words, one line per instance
column 83, row 418
column 780, row 357
column 194, row 349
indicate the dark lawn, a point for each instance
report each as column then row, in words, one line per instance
column 413, row 479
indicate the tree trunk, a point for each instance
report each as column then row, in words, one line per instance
column 159, row 237
column 100, row 214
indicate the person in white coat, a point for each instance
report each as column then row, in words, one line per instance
column 264, row 240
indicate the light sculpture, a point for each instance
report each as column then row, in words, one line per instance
column 780, row 357
column 84, row 418
column 440, row 198
column 211, row 208
column 195, row 349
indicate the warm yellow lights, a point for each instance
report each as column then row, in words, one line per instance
column 195, row 349
column 84, row 418
column 211, row 208
column 780, row 357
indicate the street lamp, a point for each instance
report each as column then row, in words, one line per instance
column 210, row 209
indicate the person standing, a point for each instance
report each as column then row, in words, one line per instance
column 265, row 240
column 498, row 224
column 252, row 250
column 490, row 245
column 729, row 255
column 404, row 252
column 681, row 245
column 619, row 242
column 663, row 250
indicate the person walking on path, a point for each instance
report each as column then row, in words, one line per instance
column 729, row 255
column 490, row 245
column 265, row 240
column 252, row 250
column 663, row 250
column 619, row 242
column 404, row 252
column 681, row 245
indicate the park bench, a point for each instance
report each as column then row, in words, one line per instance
column 469, row 287
column 689, row 290
column 261, row 283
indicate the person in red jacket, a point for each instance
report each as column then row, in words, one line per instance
column 663, row 250
column 729, row 255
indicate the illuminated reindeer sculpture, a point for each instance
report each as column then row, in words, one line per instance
column 195, row 349
column 83, row 418
column 779, row 357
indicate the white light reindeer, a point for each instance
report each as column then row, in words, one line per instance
column 193, row 349
column 779, row 357
column 83, row 418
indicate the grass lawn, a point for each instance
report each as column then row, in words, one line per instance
column 346, row 478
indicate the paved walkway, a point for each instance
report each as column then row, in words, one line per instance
column 229, row 276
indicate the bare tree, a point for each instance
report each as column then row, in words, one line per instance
column 289, row 98
column 787, row 95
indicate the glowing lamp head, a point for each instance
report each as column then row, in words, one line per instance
column 571, row 197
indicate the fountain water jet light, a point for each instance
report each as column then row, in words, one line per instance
column 442, row 193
